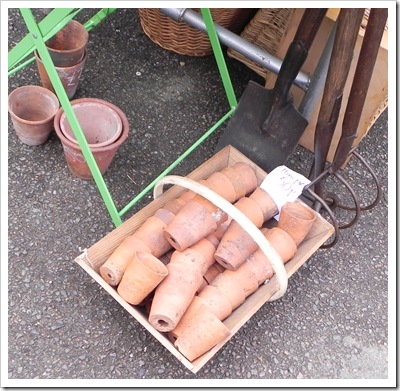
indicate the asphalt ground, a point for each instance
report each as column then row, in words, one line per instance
column 331, row 324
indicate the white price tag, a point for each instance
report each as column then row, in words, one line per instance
column 284, row 185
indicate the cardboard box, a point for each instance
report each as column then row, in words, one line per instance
column 95, row 256
column 377, row 98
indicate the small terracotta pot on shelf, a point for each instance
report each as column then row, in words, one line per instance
column 102, row 155
column 103, row 125
column 69, row 76
column 68, row 45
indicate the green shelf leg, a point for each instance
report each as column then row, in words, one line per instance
column 38, row 42
column 219, row 57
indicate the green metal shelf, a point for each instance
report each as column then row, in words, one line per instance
column 40, row 32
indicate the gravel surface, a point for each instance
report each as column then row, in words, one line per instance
column 331, row 324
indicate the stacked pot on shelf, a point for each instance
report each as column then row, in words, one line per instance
column 201, row 265
column 67, row 49
column 35, row 110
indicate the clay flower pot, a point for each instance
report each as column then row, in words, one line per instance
column 174, row 295
column 221, row 184
column 245, row 277
column 297, row 220
column 141, row 277
column 282, row 242
column 114, row 267
column 213, row 299
column 236, row 244
column 152, row 232
column 203, row 332
column 32, row 110
column 192, row 223
column 247, row 180
column 147, row 238
column 102, row 155
column 200, row 217
column 67, row 47
column 69, row 76
column 265, row 202
column 211, row 273
column 258, row 263
column 230, row 288
column 103, row 125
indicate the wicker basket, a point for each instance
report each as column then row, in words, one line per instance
column 184, row 39
column 265, row 30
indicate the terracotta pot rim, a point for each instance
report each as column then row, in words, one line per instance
column 68, row 51
column 117, row 143
column 82, row 60
column 111, row 140
column 49, row 93
column 300, row 211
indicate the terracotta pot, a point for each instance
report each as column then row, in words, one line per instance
column 245, row 278
column 297, row 220
column 192, row 223
column 282, row 242
column 211, row 273
column 216, row 301
column 186, row 269
column 220, row 184
column 103, row 125
column 187, row 228
column 265, row 202
column 259, row 265
column 236, row 244
column 151, row 232
column 114, row 267
column 103, row 155
column 175, row 205
column 32, row 110
column 186, row 318
column 213, row 299
column 69, row 76
column 174, row 295
column 67, row 47
column 248, row 174
column 203, row 332
column 230, row 288
column 242, row 177
column 141, row 277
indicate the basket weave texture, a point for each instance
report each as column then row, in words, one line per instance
column 265, row 30
column 184, row 39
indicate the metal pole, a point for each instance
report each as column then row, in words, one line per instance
column 233, row 41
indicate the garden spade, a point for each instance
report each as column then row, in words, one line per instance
column 266, row 126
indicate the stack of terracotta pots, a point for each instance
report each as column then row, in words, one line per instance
column 105, row 128
column 212, row 266
column 67, row 49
